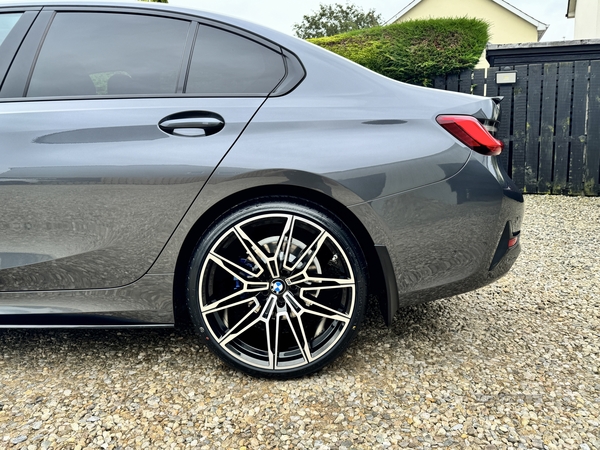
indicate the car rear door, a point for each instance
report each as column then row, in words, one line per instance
column 111, row 121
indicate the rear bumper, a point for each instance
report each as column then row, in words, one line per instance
column 450, row 237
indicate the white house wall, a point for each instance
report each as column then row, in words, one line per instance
column 587, row 19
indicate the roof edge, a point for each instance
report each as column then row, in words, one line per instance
column 403, row 11
column 541, row 26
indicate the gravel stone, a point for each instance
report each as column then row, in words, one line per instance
column 18, row 439
column 513, row 365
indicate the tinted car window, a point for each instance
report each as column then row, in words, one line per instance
column 109, row 54
column 226, row 63
column 7, row 22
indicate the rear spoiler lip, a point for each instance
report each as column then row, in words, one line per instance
column 496, row 114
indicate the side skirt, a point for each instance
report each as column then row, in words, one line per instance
column 146, row 302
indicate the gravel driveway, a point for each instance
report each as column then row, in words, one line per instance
column 513, row 365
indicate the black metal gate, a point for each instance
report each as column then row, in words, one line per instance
column 550, row 123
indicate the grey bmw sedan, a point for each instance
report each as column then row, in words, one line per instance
column 162, row 166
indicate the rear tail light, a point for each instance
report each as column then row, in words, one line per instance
column 472, row 133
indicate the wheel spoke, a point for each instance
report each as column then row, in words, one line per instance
column 333, row 314
column 306, row 349
column 276, row 349
column 317, row 242
column 284, row 240
column 248, row 288
column 267, row 310
column 233, row 332
column 229, row 266
column 282, row 314
column 302, row 347
column 252, row 249
column 321, row 283
column 218, row 306
column 285, row 237
column 298, row 312
column 267, row 318
column 266, row 315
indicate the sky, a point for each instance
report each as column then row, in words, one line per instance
column 281, row 15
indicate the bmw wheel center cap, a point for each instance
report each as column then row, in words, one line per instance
column 277, row 286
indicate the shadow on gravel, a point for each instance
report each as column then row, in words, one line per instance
column 32, row 346
column 43, row 343
column 411, row 318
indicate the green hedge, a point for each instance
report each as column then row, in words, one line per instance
column 415, row 51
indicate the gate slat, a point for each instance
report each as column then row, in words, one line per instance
column 492, row 87
column 465, row 80
column 519, row 126
column 439, row 83
column 452, row 82
column 592, row 149
column 563, row 127
column 506, row 91
column 578, row 116
column 532, row 144
column 478, row 81
column 547, row 129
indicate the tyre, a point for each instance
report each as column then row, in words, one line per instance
column 277, row 288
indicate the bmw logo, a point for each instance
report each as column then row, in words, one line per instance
column 277, row 287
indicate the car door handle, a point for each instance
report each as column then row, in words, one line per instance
column 192, row 124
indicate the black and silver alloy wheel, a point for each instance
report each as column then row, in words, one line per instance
column 277, row 288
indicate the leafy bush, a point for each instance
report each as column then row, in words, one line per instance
column 330, row 20
column 414, row 51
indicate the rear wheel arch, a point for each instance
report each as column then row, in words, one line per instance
column 376, row 279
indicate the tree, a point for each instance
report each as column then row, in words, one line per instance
column 334, row 19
